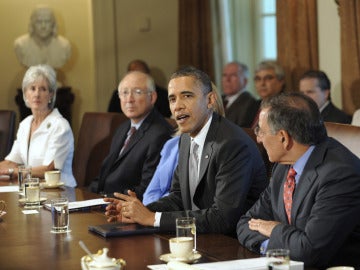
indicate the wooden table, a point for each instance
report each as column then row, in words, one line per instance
column 26, row 241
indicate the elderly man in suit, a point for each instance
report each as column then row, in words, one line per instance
column 229, row 174
column 311, row 206
column 135, row 149
column 316, row 84
column 240, row 106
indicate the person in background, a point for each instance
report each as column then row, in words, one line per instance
column 311, row 205
column 240, row 106
column 42, row 45
column 162, row 103
column 135, row 148
column 161, row 181
column 44, row 139
column 316, row 84
column 356, row 118
column 227, row 171
column 269, row 81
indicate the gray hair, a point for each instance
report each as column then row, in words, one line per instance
column 242, row 68
column 269, row 64
column 34, row 15
column 150, row 84
column 297, row 114
column 35, row 73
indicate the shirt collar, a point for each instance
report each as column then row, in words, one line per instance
column 324, row 106
column 232, row 98
column 301, row 162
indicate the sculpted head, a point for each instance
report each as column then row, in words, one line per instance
column 42, row 23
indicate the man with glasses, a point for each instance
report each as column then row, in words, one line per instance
column 269, row 81
column 311, row 206
column 135, row 149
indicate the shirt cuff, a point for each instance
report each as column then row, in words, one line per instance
column 263, row 247
column 157, row 219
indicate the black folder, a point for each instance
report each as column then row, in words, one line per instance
column 122, row 229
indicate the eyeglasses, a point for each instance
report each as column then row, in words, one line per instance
column 135, row 92
column 265, row 78
column 259, row 132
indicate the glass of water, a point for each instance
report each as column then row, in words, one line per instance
column 32, row 192
column 24, row 172
column 278, row 259
column 186, row 227
column 60, row 215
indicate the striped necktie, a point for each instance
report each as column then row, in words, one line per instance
column 289, row 187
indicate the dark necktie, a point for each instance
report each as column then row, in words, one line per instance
column 289, row 187
column 193, row 171
column 129, row 135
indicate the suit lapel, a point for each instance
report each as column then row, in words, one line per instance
column 308, row 178
column 135, row 139
column 184, row 151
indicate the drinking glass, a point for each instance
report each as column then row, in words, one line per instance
column 278, row 259
column 60, row 215
column 24, row 172
column 32, row 192
column 186, row 227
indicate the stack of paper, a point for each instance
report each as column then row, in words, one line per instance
column 81, row 205
column 245, row 264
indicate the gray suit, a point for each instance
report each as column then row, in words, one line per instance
column 325, row 216
column 232, row 176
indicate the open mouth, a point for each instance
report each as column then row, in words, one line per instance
column 181, row 118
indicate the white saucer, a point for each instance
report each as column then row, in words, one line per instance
column 23, row 200
column 169, row 257
column 59, row 184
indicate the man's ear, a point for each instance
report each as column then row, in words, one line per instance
column 153, row 97
column 211, row 100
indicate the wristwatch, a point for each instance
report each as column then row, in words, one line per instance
column 11, row 172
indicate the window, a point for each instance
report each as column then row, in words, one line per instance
column 244, row 31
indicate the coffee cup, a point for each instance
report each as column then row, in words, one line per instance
column 52, row 177
column 181, row 247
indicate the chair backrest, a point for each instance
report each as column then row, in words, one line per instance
column 7, row 132
column 348, row 135
column 95, row 135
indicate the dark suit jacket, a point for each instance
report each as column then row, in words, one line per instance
column 161, row 104
column 232, row 176
column 242, row 112
column 134, row 168
column 333, row 114
column 325, row 229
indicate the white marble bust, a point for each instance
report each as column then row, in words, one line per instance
column 42, row 45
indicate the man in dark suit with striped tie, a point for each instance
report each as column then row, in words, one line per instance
column 311, row 206
column 135, row 149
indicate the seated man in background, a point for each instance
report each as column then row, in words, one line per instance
column 269, row 81
column 162, row 103
column 220, row 172
column 315, row 84
column 311, row 206
column 240, row 106
column 135, row 149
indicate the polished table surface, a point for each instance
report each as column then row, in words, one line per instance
column 26, row 241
